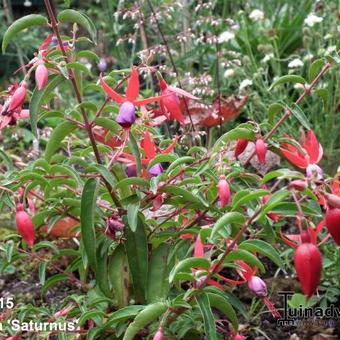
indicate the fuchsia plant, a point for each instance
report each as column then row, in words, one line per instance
column 168, row 229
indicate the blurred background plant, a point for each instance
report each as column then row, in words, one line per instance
column 218, row 48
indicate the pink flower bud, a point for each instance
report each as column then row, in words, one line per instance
column 257, row 286
column 223, row 192
column 159, row 334
column 41, row 76
column 18, row 97
column 156, row 170
column 332, row 219
column 24, row 225
column 314, row 171
column 261, row 150
column 298, row 185
column 237, row 337
column 333, row 200
column 240, row 147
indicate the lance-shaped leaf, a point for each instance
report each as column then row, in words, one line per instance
column 21, row 24
column 146, row 316
column 208, row 317
column 290, row 78
column 87, row 215
column 226, row 219
column 136, row 248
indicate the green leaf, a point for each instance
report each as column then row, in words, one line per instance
column 162, row 159
column 187, row 264
column 237, row 133
column 90, row 315
column 246, row 256
column 79, row 67
column 122, row 315
column 228, row 218
column 273, row 110
column 146, row 316
column 208, row 317
column 222, row 304
column 120, row 276
column 132, row 181
column 178, row 162
column 88, row 55
column 132, row 214
column 72, row 16
column 102, row 268
column 8, row 161
column 290, row 78
column 314, row 69
column 53, row 281
column 300, row 116
column 187, row 195
column 107, row 124
column 250, row 197
column 136, row 248
column 59, row 133
column 158, row 282
column 263, row 248
column 87, row 214
column 21, row 24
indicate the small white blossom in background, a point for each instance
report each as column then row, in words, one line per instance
column 225, row 37
column 267, row 57
column 299, row 86
column 229, row 73
column 330, row 49
column 308, row 57
column 295, row 63
column 256, row 15
column 245, row 83
column 312, row 19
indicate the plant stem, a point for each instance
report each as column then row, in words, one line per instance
column 88, row 127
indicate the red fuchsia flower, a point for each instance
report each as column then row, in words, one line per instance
column 310, row 235
column 240, row 147
column 308, row 265
column 307, row 156
column 223, row 192
column 24, row 225
column 127, row 115
column 159, row 334
column 150, row 151
column 170, row 103
column 261, row 150
column 237, row 337
column 332, row 220
column 41, row 75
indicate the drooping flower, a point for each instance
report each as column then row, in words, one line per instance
column 18, row 97
column 332, row 220
column 308, row 266
column 41, row 75
column 170, row 103
column 307, row 156
column 261, row 150
column 126, row 115
column 223, row 192
column 159, row 334
column 257, row 286
column 102, row 65
column 241, row 145
column 24, row 225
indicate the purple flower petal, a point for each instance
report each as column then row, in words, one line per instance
column 156, row 170
column 126, row 116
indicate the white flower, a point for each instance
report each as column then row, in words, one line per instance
column 229, row 72
column 298, row 86
column 245, row 83
column 225, row 37
column 312, row 19
column 267, row 57
column 256, row 15
column 295, row 63
column 330, row 49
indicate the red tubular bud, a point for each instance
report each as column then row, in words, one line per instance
column 240, row 147
column 333, row 200
column 237, row 337
column 261, row 150
column 18, row 97
column 308, row 265
column 159, row 334
column 223, row 192
column 298, row 185
column 24, row 225
column 333, row 223
column 41, row 76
